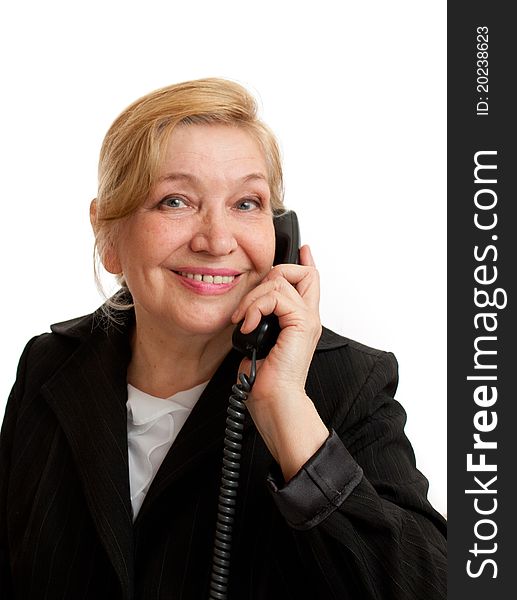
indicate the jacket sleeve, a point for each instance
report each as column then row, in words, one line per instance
column 7, row 435
column 358, row 507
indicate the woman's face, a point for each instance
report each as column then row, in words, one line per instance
column 205, row 236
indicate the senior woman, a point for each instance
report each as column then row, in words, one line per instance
column 112, row 441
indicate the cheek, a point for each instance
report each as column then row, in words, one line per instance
column 264, row 251
column 147, row 242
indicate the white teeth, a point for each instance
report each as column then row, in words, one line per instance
column 208, row 278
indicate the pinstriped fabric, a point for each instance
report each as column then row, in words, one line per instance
column 66, row 530
column 100, row 434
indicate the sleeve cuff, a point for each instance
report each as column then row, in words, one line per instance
column 319, row 487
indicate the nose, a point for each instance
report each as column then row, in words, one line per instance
column 214, row 235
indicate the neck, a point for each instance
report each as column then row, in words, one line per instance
column 165, row 362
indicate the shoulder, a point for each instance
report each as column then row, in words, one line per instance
column 354, row 355
column 62, row 339
column 345, row 372
column 49, row 352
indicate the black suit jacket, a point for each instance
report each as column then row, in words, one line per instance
column 353, row 523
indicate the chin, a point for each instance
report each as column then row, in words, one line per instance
column 205, row 325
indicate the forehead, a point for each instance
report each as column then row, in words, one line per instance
column 205, row 148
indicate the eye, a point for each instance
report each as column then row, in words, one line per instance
column 173, row 202
column 248, row 204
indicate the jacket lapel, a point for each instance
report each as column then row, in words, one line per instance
column 201, row 435
column 88, row 396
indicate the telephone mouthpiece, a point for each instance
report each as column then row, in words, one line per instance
column 263, row 338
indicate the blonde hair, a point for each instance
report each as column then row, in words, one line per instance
column 136, row 141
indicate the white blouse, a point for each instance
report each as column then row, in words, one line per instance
column 152, row 426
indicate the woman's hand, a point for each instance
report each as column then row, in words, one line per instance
column 283, row 414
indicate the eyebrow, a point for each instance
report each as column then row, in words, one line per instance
column 195, row 180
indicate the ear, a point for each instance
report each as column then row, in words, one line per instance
column 109, row 256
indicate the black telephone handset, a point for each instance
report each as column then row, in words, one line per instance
column 263, row 338
column 255, row 345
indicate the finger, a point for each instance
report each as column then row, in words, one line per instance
column 287, row 312
column 265, row 305
column 278, row 286
column 290, row 314
column 294, row 274
column 253, row 317
column 304, row 278
column 306, row 257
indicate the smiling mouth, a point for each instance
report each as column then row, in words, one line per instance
column 217, row 279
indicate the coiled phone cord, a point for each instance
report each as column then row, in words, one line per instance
column 230, row 482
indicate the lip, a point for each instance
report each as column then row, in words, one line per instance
column 208, row 271
column 207, row 289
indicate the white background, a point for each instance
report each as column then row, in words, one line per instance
column 356, row 95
